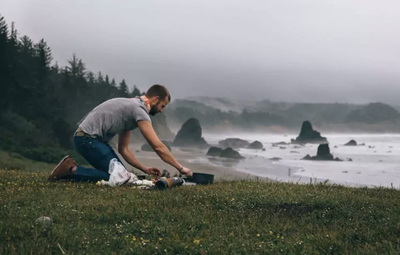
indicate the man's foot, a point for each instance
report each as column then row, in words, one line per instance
column 63, row 169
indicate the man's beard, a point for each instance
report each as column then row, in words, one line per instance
column 153, row 110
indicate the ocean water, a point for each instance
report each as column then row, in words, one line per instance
column 377, row 163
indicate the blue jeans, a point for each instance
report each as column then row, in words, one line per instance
column 98, row 154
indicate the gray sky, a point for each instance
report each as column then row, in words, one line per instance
column 291, row 50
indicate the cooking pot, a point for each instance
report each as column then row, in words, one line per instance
column 201, row 178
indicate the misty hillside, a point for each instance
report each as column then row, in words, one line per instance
column 215, row 113
column 194, row 104
column 223, row 104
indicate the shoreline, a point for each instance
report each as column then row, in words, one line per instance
column 185, row 156
column 229, row 173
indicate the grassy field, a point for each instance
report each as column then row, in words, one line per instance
column 240, row 217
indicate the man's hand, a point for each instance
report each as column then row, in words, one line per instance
column 153, row 170
column 186, row 171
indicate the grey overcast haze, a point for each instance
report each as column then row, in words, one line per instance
column 282, row 50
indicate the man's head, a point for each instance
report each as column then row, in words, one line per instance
column 159, row 97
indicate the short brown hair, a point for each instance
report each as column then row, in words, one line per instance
column 158, row 90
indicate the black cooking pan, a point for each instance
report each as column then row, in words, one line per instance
column 201, row 178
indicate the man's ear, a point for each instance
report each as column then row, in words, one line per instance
column 156, row 99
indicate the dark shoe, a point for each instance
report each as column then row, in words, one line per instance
column 63, row 169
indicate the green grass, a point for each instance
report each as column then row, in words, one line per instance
column 238, row 217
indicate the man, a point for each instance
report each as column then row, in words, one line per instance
column 117, row 116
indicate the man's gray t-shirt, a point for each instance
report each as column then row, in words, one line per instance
column 114, row 116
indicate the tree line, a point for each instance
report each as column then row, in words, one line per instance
column 41, row 102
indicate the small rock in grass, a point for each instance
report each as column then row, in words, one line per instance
column 44, row 220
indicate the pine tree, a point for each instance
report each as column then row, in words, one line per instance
column 76, row 67
column 135, row 92
column 43, row 53
column 43, row 90
column 113, row 83
column 124, row 88
column 91, row 78
column 100, row 78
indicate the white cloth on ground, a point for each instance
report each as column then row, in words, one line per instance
column 120, row 176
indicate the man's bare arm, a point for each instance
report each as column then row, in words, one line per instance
column 123, row 149
column 159, row 147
